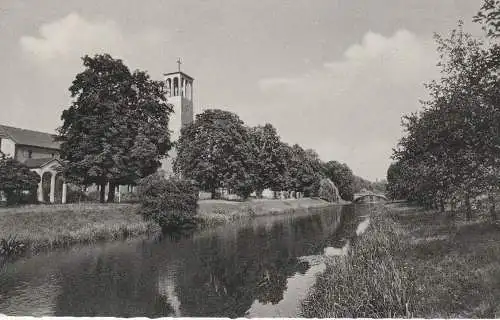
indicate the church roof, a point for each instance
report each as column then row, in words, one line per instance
column 182, row 73
column 37, row 163
column 29, row 137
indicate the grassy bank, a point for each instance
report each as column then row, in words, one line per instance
column 215, row 212
column 413, row 263
column 48, row 226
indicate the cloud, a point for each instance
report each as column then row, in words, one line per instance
column 350, row 109
column 52, row 57
column 73, row 36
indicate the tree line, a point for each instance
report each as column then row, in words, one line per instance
column 116, row 132
column 219, row 151
column 450, row 153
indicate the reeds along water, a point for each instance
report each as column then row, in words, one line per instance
column 369, row 282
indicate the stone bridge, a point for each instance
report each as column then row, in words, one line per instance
column 369, row 197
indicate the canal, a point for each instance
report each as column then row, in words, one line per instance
column 259, row 268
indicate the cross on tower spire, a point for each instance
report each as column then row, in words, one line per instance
column 179, row 64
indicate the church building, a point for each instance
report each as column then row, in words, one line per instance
column 40, row 152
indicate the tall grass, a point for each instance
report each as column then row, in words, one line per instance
column 413, row 263
column 49, row 226
column 370, row 282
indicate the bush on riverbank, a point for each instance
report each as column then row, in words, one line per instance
column 10, row 247
column 370, row 282
column 171, row 203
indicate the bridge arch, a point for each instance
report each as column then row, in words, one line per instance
column 371, row 197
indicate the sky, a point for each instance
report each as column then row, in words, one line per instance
column 332, row 75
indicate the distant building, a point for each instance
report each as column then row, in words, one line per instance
column 38, row 151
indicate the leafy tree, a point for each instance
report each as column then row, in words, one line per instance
column 380, row 186
column 397, row 181
column 453, row 146
column 489, row 17
column 360, row 184
column 116, row 129
column 313, row 160
column 328, row 191
column 15, row 178
column 214, row 151
column 269, row 157
column 303, row 170
column 342, row 177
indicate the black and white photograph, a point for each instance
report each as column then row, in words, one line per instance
column 250, row 159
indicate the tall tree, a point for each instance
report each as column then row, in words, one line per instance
column 303, row 170
column 269, row 157
column 116, row 129
column 489, row 17
column 342, row 177
column 214, row 151
column 453, row 146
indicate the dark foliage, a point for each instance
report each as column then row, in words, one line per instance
column 215, row 152
column 328, row 191
column 172, row 203
column 11, row 247
column 451, row 150
column 18, row 182
column 116, row 129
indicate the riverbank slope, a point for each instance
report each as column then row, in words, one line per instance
column 45, row 226
column 213, row 212
column 414, row 263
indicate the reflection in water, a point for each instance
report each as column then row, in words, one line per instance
column 252, row 268
column 296, row 291
column 362, row 226
column 331, row 251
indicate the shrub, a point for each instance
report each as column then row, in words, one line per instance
column 129, row 197
column 244, row 187
column 17, row 181
column 75, row 194
column 328, row 191
column 92, row 196
column 11, row 246
column 171, row 203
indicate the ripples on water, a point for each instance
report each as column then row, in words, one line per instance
column 262, row 268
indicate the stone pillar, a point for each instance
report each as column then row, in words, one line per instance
column 40, row 189
column 53, row 188
column 64, row 192
column 191, row 90
column 106, row 190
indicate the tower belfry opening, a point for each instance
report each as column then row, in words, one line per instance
column 180, row 94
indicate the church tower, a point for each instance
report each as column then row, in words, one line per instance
column 180, row 94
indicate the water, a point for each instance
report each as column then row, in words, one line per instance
column 261, row 268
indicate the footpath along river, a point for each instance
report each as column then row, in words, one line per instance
column 259, row 268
